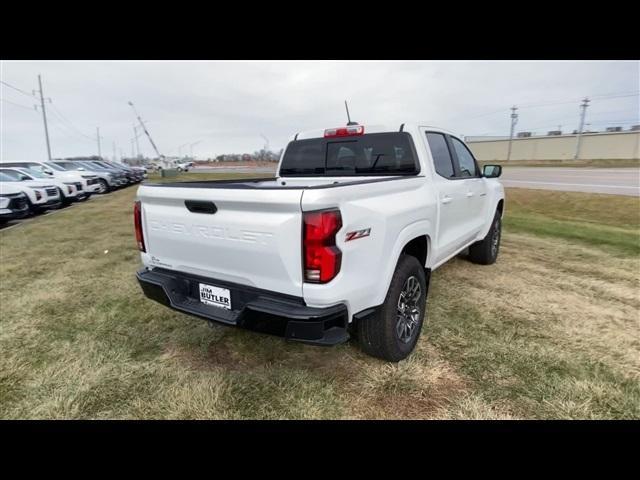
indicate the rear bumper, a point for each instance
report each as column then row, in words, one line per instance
column 253, row 309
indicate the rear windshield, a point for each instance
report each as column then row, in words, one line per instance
column 372, row 154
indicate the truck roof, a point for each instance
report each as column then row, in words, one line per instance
column 320, row 132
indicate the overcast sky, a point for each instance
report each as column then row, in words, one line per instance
column 226, row 106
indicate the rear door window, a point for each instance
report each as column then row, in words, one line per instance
column 442, row 160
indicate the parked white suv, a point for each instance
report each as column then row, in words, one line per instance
column 68, row 190
column 86, row 184
column 13, row 202
column 342, row 242
column 40, row 195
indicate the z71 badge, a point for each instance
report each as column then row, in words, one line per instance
column 357, row 234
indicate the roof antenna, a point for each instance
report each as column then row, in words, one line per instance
column 349, row 123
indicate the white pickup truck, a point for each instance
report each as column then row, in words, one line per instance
column 341, row 243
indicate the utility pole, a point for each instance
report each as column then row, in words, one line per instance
column 98, row 138
column 44, row 117
column 583, row 106
column 145, row 130
column 514, row 120
column 135, row 135
column 192, row 145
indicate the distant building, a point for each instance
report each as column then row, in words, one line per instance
column 595, row 145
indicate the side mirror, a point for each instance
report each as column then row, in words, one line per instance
column 48, row 172
column 492, row 171
column 24, row 177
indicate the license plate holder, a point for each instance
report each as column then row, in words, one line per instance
column 215, row 296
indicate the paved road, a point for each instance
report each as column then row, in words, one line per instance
column 617, row 181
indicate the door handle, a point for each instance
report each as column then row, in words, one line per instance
column 446, row 199
column 470, row 194
column 198, row 206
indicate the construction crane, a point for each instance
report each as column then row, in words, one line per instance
column 145, row 130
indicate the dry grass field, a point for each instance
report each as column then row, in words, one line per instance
column 552, row 330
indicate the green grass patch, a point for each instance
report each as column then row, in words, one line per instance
column 611, row 222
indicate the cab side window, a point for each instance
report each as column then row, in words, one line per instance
column 441, row 156
column 466, row 161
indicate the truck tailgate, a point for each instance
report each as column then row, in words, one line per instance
column 252, row 238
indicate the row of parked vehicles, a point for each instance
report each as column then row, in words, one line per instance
column 29, row 187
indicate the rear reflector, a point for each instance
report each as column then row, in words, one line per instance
column 322, row 258
column 137, row 222
column 344, row 131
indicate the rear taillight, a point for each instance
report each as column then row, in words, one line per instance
column 322, row 258
column 344, row 131
column 137, row 221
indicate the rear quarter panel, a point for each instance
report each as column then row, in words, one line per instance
column 396, row 211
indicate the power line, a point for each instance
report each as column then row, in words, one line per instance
column 633, row 93
column 74, row 131
column 71, row 124
column 30, row 95
column 68, row 131
column 16, row 104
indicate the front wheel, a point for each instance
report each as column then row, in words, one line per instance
column 485, row 252
column 104, row 186
column 393, row 333
column 64, row 201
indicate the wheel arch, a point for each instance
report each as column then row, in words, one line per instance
column 415, row 240
column 418, row 247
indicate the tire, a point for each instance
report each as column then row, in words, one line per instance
column 390, row 335
column 104, row 186
column 179, row 169
column 485, row 252
column 32, row 209
column 64, row 201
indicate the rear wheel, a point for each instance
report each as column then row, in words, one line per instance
column 485, row 252
column 393, row 333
